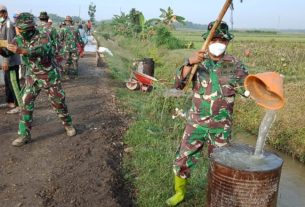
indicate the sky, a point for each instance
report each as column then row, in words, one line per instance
column 250, row 14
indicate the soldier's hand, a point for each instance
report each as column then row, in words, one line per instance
column 15, row 49
column 12, row 48
column 198, row 57
column 4, row 66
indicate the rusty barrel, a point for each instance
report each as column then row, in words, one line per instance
column 237, row 178
column 148, row 66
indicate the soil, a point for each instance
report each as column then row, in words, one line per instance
column 56, row 170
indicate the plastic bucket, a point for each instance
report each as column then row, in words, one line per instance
column 266, row 89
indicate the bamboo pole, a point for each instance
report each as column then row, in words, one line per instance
column 209, row 38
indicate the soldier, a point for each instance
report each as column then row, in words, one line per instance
column 46, row 24
column 10, row 65
column 41, row 73
column 70, row 37
column 218, row 78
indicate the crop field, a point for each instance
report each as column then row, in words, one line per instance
column 281, row 52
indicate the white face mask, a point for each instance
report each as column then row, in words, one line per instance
column 217, row 48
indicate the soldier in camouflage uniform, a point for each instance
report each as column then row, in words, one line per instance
column 218, row 78
column 54, row 36
column 43, row 17
column 70, row 37
column 41, row 73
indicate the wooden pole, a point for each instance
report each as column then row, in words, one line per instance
column 209, row 38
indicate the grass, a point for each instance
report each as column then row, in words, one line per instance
column 153, row 136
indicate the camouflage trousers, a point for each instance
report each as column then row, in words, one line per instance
column 193, row 140
column 51, row 83
column 70, row 56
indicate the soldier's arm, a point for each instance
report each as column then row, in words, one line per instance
column 55, row 39
column 183, row 72
column 42, row 48
column 7, row 52
column 181, row 76
column 61, row 35
column 241, row 73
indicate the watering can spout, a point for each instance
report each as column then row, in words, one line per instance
column 266, row 89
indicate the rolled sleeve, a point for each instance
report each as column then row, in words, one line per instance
column 241, row 74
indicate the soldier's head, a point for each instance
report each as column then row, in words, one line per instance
column 50, row 22
column 68, row 20
column 220, row 40
column 25, row 25
column 3, row 13
column 43, row 16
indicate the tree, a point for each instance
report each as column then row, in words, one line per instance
column 91, row 12
column 168, row 17
column 121, row 25
column 137, row 20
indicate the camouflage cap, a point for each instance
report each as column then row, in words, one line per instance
column 222, row 31
column 25, row 21
column 43, row 15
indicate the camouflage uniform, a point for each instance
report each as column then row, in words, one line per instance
column 52, row 32
column 70, row 37
column 41, row 73
column 209, row 120
column 54, row 37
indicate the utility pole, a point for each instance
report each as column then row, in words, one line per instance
column 79, row 11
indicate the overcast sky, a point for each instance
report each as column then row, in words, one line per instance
column 259, row 14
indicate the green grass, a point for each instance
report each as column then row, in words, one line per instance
column 153, row 136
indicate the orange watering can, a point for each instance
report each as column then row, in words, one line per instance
column 266, row 89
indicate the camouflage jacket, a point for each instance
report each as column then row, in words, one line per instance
column 69, row 38
column 214, row 85
column 40, row 57
column 54, row 36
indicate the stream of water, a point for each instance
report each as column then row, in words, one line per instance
column 263, row 131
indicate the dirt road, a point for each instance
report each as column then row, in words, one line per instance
column 56, row 170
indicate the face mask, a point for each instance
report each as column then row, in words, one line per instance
column 2, row 19
column 217, row 48
column 27, row 34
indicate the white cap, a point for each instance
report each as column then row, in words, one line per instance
column 3, row 8
column 50, row 20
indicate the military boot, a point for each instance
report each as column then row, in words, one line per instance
column 22, row 140
column 70, row 130
column 178, row 197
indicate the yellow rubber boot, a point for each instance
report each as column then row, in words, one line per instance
column 180, row 192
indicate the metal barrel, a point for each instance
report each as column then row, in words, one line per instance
column 237, row 184
column 148, row 66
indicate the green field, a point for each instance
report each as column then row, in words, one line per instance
column 153, row 136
